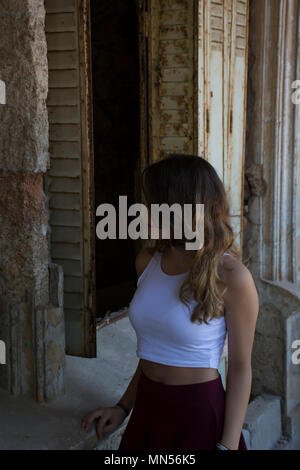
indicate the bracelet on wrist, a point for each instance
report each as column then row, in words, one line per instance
column 120, row 405
column 221, row 446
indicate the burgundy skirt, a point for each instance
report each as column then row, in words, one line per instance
column 172, row 417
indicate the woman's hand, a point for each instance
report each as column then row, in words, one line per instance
column 108, row 419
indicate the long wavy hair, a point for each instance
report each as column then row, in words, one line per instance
column 190, row 179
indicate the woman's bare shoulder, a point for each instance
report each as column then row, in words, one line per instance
column 142, row 259
column 234, row 271
column 237, row 277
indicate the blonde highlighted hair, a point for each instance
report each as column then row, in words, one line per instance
column 190, row 179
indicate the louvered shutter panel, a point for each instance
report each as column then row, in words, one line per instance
column 70, row 178
column 222, row 92
column 171, row 82
column 236, row 130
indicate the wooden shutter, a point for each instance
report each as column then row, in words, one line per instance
column 236, row 131
column 169, row 60
column 222, row 89
column 70, row 178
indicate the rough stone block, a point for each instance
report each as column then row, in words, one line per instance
column 277, row 328
column 24, row 137
column 263, row 422
column 23, row 236
column 35, row 343
column 50, row 352
column 293, row 424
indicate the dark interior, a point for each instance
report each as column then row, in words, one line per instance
column 115, row 72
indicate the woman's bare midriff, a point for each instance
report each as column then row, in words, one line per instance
column 171, row 375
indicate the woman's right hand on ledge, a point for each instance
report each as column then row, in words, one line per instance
column 107, row 420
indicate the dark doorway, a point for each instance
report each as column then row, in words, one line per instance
column 115, row 71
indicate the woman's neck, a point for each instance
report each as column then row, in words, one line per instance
column 180, row 257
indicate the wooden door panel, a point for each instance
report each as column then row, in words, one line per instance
column 223, row 31
column 70, row 178
column 168, row 59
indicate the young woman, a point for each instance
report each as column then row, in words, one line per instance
column 184, row 305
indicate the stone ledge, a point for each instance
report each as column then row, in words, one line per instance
column 283, row 293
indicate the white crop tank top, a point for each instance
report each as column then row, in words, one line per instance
column 165, row 333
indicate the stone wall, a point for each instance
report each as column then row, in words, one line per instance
column 270, row 238
column 35, row 356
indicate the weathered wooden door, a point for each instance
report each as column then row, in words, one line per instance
column 70, row 179
column 193, row 89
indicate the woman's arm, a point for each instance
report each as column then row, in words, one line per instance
column 241, row 310
column 109, row 418
column 128, row 398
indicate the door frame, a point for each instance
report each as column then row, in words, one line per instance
column 88, row 192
